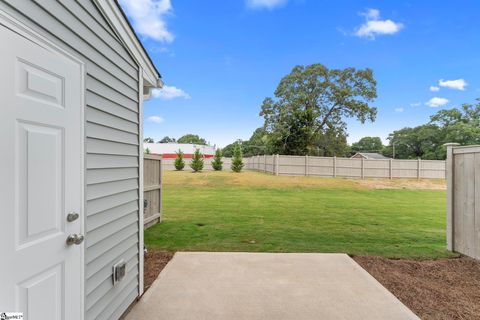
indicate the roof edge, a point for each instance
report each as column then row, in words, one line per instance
column 117, row 19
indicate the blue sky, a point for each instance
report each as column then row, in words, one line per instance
column 219, row 59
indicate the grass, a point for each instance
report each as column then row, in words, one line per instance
column 224, row 211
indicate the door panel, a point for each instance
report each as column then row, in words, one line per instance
column 32, row 292
column 41, row 168
column 40, row 185
column 39, row 84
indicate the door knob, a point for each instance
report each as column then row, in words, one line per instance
column 75, row 239
column 72, row 216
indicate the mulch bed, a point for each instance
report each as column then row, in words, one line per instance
column 433, row 289
column 155, row 261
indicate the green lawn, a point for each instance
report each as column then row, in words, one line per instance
column 222, row 211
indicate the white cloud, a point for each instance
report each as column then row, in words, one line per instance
column 148, row 18
column 169, row 93
column 373, row 26
column 434, row 88
column 458, row 84
column 372, row 14
column 436, row 102
column 399, row 110
column 265, row 4
column 415, row 104
column 155, row 119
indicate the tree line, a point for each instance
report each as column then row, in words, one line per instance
column 307, row 116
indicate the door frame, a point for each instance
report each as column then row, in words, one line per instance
column 28, row 32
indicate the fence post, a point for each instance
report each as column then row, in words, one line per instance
column 449, row 164
column 160, row 163
column 334, row 166
column 306, row 164
column 390, row 168
column 363, row 168
column 419, row 168
column 276, row 164
column 264, row 163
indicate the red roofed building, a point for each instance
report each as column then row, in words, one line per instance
column 168, row 150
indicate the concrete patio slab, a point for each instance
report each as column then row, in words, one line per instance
column 237, row 286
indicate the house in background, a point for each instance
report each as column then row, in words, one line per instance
column 73, row 81
column 169, row 150
column 369, row 156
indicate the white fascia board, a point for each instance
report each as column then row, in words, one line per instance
column 115, row 18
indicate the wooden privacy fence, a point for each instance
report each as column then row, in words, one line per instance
column 346, row 167
column 152, row 190
column 463, row 199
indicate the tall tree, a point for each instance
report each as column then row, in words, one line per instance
column 368, row 144
column 148, row 140
column 331, row 143
column 461, row 125
column 257, row 144
column 228, row 150
column 167, row 139
column 314, row 99
column 191, row 138
column 423, row 142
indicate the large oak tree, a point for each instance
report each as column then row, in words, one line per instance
column 314, row 100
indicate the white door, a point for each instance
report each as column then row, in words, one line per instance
column 40, row 180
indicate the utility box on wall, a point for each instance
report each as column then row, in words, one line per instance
column 119, row 271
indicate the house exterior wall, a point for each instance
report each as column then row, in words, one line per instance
column 111, row 144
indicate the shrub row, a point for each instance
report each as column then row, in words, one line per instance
column 217, row 164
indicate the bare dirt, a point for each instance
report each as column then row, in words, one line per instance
column 422, row 184
column 155, row 261
column 433, row 289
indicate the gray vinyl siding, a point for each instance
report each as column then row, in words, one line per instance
column 111, row 145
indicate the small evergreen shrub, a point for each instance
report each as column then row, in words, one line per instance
column 237, row 162
column 217, row 162
column 197, row 161
column 179, row 162
column 147, row 151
